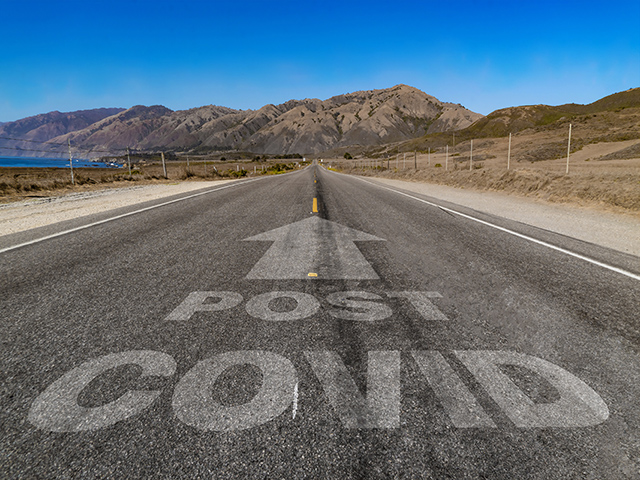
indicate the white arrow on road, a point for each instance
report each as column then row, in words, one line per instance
column 313, row 245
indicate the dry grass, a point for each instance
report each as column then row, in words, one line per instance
column 600, row 175
column 17, row 183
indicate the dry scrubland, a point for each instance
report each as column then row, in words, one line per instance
column 23, row 183
column 605, row 174
column 604, row 166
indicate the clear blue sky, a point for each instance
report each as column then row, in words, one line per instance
column 73, row 55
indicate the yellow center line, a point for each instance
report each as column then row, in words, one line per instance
column 315, row 205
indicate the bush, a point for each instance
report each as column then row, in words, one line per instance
column 348, row 156
column 438, row 165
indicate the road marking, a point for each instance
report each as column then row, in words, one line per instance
column 76, row 229
column 349, row 305
column 380, row 408
column 295, row 401
column 313, row 245
column 195, row 302
column 194, row 405
column 459, row 403
column 578, row 405
column 512, row 232
column 259, row 306
column 421, row 302
column 315, row 205
column 57, row 409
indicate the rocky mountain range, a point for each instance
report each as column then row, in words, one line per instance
column 365, row 118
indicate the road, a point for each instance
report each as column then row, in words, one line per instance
column 315, row 325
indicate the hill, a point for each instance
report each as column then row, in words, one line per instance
column 365, row 118
column 614, row 118
column 45, row 127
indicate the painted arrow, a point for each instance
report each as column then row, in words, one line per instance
column 313, row 245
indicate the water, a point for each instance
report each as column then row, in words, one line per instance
column 50, row 163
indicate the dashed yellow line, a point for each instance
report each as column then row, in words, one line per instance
column 315, row 205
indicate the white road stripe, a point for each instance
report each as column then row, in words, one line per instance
column 520, row 235
column 65, row 232
column 295, row 400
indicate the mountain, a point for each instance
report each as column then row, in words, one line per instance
column 45, row 127
column 516, row 119
column 364, row 118
column 613, row 118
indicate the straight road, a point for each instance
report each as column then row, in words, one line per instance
column 316, row 325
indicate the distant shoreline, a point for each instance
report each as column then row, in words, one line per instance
column 40, row 162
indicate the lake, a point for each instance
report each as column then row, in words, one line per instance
column 50, row 163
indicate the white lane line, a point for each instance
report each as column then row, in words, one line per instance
column 295, row 400
column 520, row 235
column 65, row 232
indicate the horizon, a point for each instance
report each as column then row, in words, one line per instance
column 122, row 54
column 291, row 99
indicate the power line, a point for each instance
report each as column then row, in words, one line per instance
column 27, row 149
column 33, row 141
column 78, row 148
column 52, row 152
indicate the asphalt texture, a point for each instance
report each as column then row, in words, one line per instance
column 185, row 341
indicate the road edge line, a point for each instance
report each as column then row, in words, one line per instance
column 100, row 222
column 512, row 232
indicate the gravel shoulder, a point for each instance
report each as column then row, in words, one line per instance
column 612, row 230
column 25, row 215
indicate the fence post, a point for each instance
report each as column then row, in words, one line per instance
column 568, row 149
column 73, row 180
column 446, row 159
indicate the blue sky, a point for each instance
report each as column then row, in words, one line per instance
column 73, row 55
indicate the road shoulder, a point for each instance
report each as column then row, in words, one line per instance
column 611, row 230
column 23, row 216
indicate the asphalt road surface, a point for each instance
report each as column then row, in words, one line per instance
column 315, row 325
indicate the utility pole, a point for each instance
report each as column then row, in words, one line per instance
column 471, row 157
column 387, row 161
column 509, row 153
column 404, row 161
column 164, row 166
column 415, row 159
column 429, row 158
column 454, row 140
column 205, row 167
column 129, row 161
column 187, row 162
column 568, row 149
column 73, row 181
column 446, row 158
